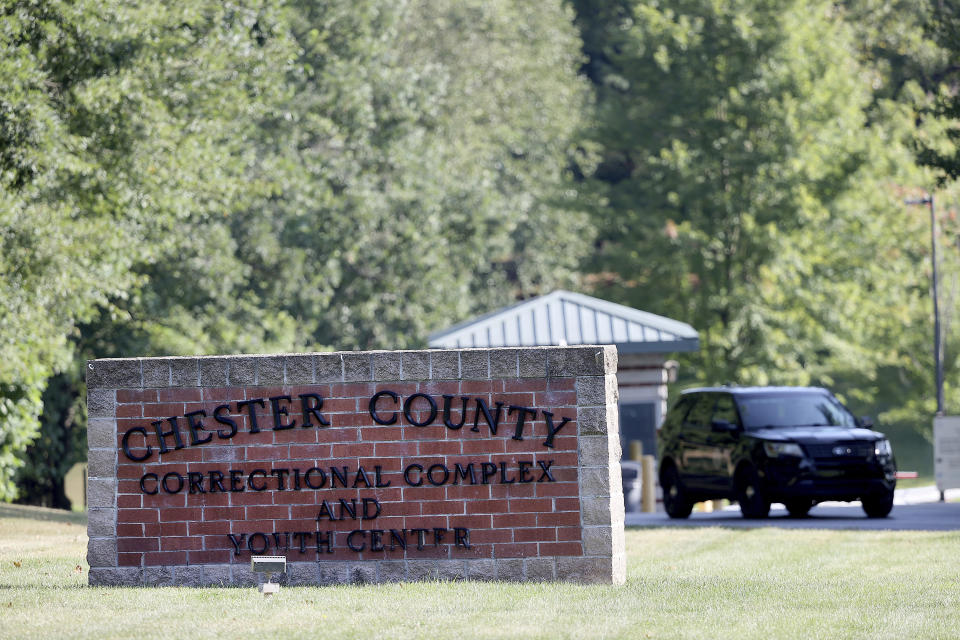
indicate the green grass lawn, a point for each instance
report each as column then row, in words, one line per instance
column 681, row 583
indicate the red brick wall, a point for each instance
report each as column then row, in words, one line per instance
column 535, row 500
column 504, row 520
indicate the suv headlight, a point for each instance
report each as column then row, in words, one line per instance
column 882, row 448
column 777, row 449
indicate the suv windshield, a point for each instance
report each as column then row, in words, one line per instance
column 793, row 410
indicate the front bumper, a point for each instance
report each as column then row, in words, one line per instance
column 820, row 482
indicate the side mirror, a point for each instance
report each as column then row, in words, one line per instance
column 866, row 422
column 723, row 426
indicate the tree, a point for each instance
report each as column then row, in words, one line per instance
column 942, row 86
column 742, row 186
column 324, row 174
column 67, row 231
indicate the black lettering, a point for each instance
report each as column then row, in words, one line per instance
column 406, row 475
column 551, row 430
column 126, row 444
column 227, row 420
column 545, row 473
column 281, row 412
column 179, row 478
column 162, row 435
column 503, row 474
column 278, row 537
column 367, row 502
column 421, row 533
column 196, row 482
column 438, row 536
column 408, row 410
column 447, row 401
column 281, row 475
column 522, row 413
column 216, row 481
column 398, row 538
column 361, row 475
column 487, row 470
column 253, row 474
column 350, row 541
column 525, row 470
column 430, row 478
column 376, row 539
column 484, row 410
column 323, row 477
column 236, row 542
column 461, row 472
column 236, row 481
column 378, row 481
column 325, row 540
column 338, row 473
column 156, row 480
column 263, row 549
column 195, row 424
column 312, row 409
column 302, row 537
column 461, row 537
column 348, row 508
column 373, row 406
column 296, row 479
column 325, row 511
column 252, row 412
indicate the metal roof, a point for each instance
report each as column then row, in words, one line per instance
column 566, row 318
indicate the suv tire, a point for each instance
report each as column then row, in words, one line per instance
column 753, row 502
column 878, row 505
column 798, row 507
column 675, row 501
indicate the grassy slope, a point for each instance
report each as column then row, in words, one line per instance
column 682, row 583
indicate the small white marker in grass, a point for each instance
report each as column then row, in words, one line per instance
column 268, row 565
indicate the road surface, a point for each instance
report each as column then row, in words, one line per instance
column 915, row 509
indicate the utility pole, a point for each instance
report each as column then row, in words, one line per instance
column 927, row 199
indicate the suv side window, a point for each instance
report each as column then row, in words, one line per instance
column 726, row 409
column 676, row 415
column 699, row 416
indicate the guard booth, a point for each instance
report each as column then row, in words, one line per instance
column 643, row 340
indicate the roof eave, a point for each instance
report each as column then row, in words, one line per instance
column 665, row 346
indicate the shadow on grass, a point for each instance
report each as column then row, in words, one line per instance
column 41, row 513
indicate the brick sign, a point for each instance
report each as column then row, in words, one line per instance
column 356, row 466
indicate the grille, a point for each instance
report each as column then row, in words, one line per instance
column 852, row 450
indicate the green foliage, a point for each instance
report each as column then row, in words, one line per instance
column 210, row 177
column 303, row 175
column 753, row 163
column 396, row 180
column 716, row 185
column 60, row 443
column 939, row 146
column 65, row 226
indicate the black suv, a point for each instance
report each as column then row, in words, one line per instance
column 757, row 445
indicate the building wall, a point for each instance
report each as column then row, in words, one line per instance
column 642, row 379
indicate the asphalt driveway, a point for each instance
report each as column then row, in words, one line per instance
column 914, row 509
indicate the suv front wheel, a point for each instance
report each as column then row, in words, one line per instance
column 753, row 502
column 878, row 505
column 798, row 507
column 675, row 501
